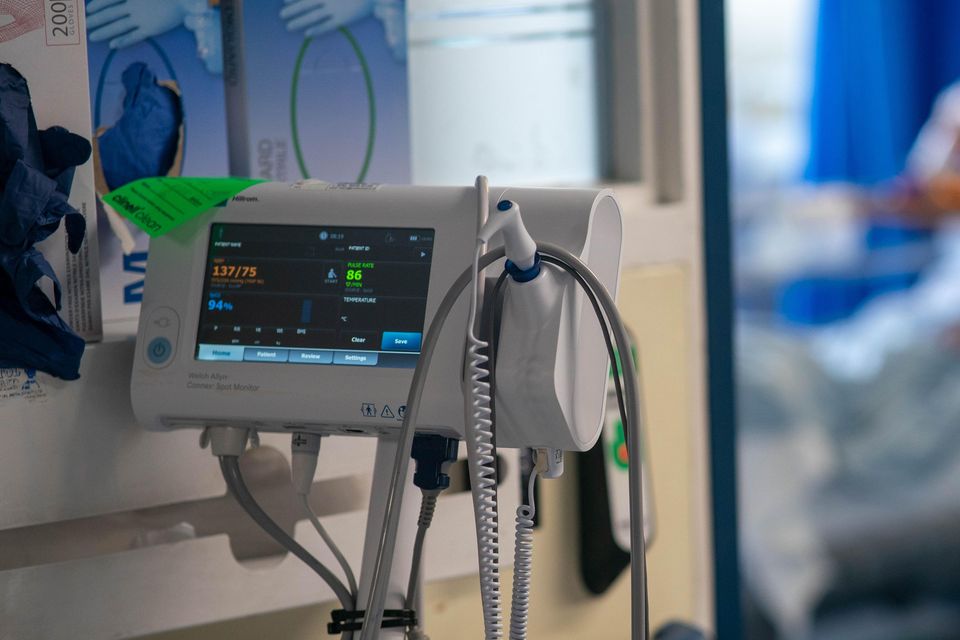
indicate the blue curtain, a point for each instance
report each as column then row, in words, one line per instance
column 879, row 66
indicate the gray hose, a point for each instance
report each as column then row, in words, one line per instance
column 632, row 430
column 230, row 467
column 377, row 593
column 428, row 506
column 331, row 544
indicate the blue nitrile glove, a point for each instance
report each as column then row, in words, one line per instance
column 127, row 22
column 31, row 208
column 62, row 152
column 32, row 334
column 143, row 141
column 19, row 138
column 322, row 16
column 55, row 150
column 25, row 151
column 35, row 172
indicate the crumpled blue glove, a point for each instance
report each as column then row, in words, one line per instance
column 31, row 207
column 317, row 17
column 127, row 22
column 36, row 169
column 34, row 336
column 143, row 141
column 19, row 138
column 62, row 153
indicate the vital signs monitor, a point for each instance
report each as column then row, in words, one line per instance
column 317, row 308
column 304, row 307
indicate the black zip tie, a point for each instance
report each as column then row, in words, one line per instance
column 344, row 620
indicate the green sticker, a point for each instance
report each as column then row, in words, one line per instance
column 157, row 205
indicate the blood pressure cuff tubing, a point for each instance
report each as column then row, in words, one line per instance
column 143, row 141
column 36, row 170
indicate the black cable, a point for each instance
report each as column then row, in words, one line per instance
column 230, row 467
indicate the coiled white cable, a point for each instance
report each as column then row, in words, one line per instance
column 482, row 461
column 379, row 571
column 523, row 563
column 376, row 594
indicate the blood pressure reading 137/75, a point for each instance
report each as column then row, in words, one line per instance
column 315, row 295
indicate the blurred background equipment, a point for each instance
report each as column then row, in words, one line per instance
column 845, row 129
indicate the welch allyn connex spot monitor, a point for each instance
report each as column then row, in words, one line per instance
column 305, row 307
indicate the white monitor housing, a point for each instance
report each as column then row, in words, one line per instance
column 302, row 307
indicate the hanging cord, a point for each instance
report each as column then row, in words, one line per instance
column 482, row 464
column 433, row 454
column 628, row 395
column 334, row 549
column 380, row 571
column 230, row 468
column 630, row 415
column 427, row 507
column 491, row 330
column 304, row 455
column 490, row 323
column 523, row 561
